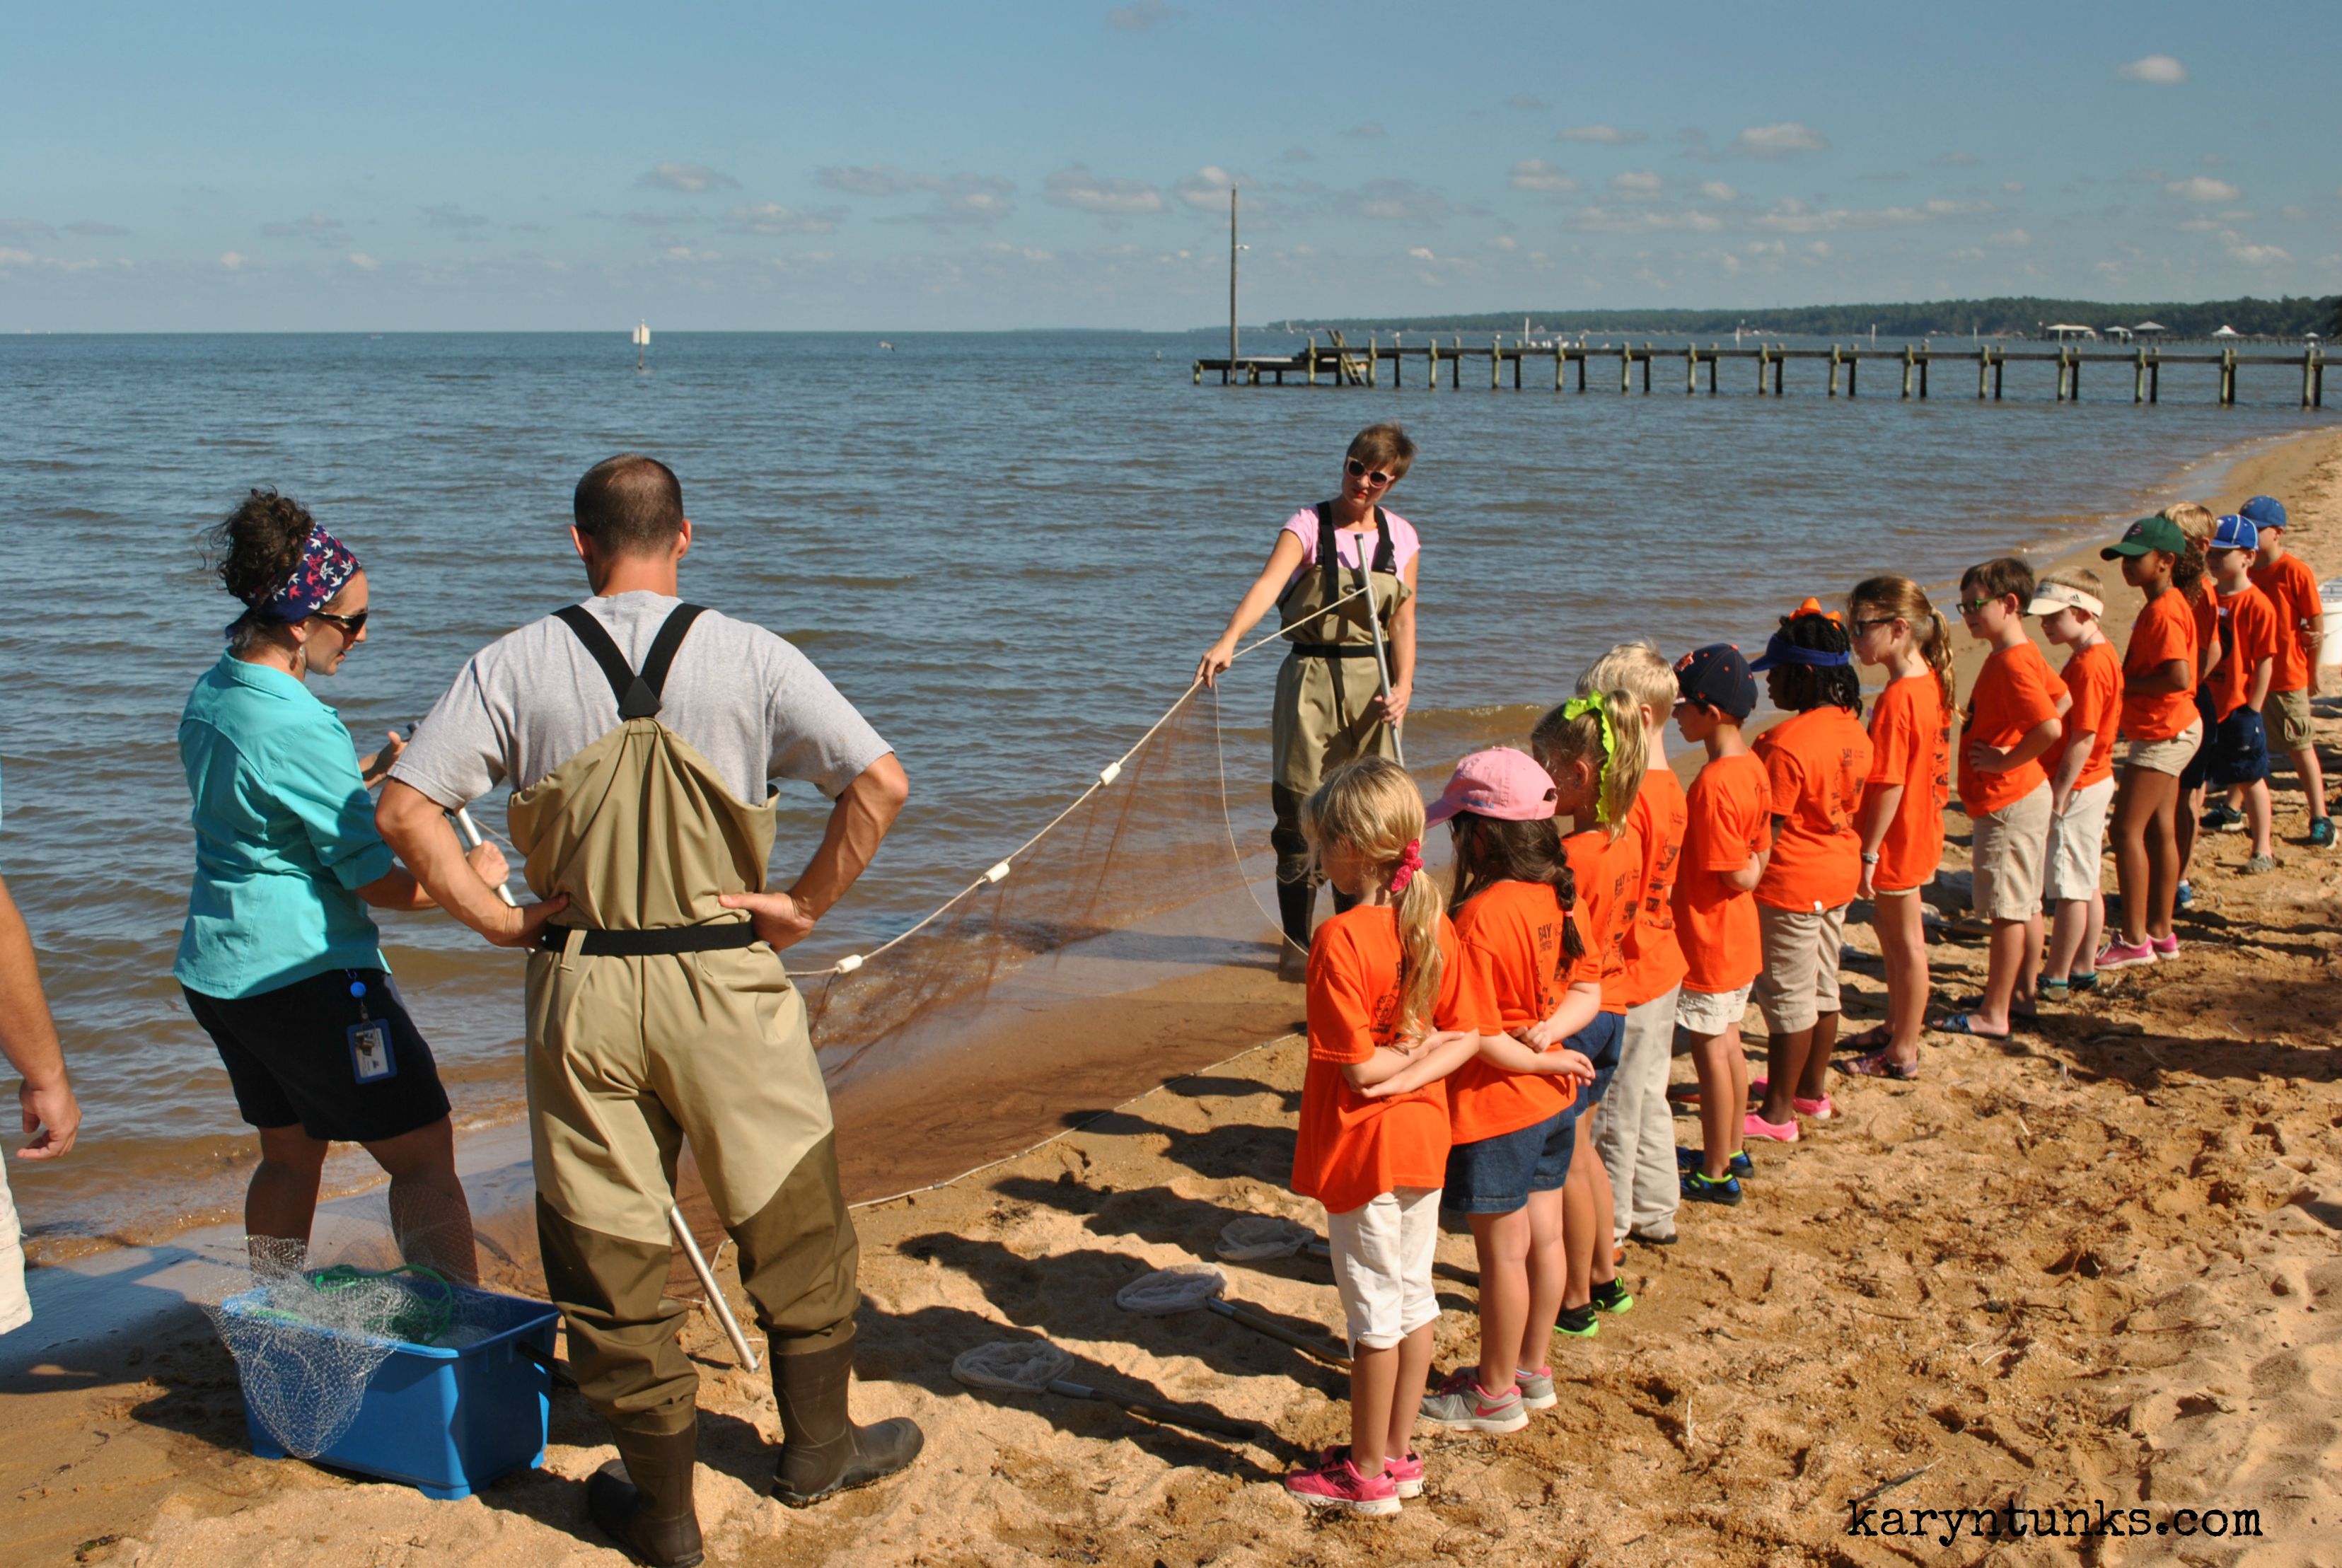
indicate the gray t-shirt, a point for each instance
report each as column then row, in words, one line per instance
column 754, row 706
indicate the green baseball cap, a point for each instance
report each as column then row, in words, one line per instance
column 2147, row 533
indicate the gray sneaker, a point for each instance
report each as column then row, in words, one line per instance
column 1536, row 1388
column 1460, row 1403
column 2260, row 864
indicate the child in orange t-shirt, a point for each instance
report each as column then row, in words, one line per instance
column 2081, row 776
column 2012, row 722
column 1635, row 1135
column 1901, row 827
column 1816, row 764
column 1518, row 928
column 2160, row 721
column 1726, row 833
column 1592, row 747
column 2292, row 589
column 2235, row 752
column 1391, row 1006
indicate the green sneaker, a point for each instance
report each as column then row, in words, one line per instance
column 1579, row 1323
column 1611, row 1296
column 1697, row 1188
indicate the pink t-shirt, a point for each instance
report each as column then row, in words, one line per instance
column 1353, row 548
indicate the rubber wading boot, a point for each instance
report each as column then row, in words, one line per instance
column 1295, row 902
column 822, row 1451
column 641, row 1499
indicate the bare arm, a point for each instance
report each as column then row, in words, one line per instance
column 1282, row 561
column 1746, row 879
column 28, row 1037
column 858, row 821
column 419, row 831
column 2263, row 673
column 396, row 888
column 2169, row 676
column 1439, row 1055
column 1577, row 1010
column 2069, row 770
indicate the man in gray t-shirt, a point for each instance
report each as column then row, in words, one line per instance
column 640, row 735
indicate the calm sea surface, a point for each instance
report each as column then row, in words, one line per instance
column 1007, row 549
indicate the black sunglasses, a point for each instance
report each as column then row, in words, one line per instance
column 1862, row 626
column 1358, row 470
column 350, row 624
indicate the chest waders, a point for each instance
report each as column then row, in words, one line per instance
column 1326, row 689
column 653, row 1016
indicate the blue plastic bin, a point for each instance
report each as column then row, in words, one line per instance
column 447, row 1421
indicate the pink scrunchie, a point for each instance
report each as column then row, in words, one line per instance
column 1409, row 862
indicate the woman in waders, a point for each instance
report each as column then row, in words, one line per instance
column 1331, row 706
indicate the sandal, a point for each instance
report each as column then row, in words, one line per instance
column 1877, row 1037
column 2018, row 1016
column 1964, row 1024
column 2054, row 990
column 1878, row 1064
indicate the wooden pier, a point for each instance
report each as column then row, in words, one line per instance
column 1401, row 365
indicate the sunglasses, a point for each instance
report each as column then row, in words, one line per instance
column 1860, row 627
column 1358, row 470
column 350, row 625
column 1973, row 607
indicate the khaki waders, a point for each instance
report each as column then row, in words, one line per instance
column 653, row 1016
column 1325, row 690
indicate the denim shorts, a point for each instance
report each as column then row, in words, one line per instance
column 2239, row 749
column 2198, row 771
column 1598, row 1043
column 1495, row 1175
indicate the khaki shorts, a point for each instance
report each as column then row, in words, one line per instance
column 2011, row 844
column 2287, row 715
column 1800, row 979
column 1709, row 1012
column 2077, row 841
column 2171, row 756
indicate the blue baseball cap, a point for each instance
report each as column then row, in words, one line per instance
column 2263, row 512
column 2235, row 532
column 1716, row 676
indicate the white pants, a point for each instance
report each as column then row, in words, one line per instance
column 1382, row 1253
column 16, row 1309
column 1636, row 1134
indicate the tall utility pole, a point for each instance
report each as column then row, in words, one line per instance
column 1232, row 278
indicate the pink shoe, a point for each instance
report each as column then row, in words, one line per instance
column 2165, row 946
column 1338, row 1487
column 1755, row 1126
column 2122, row 956
column 1819, row 1110
column 1406, row 1473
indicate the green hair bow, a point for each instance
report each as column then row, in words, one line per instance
column 1577, row 708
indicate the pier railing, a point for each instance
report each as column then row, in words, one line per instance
column 1401, row 365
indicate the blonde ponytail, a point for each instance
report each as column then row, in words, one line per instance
column 1605, row 733
column 1372, row 806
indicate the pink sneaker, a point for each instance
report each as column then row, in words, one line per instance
column 1406, row 1473
column 2165, row 946
column 1337, row 1485
column 2122, row 956
column 1819, row 1110
column 1755, row 1126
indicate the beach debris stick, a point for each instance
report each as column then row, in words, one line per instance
column 715, row 1301
column 1037, row 1366
column 1193, row 1286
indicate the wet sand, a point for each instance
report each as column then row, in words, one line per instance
column 2094, row 1263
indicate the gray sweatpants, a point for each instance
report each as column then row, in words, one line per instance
column 1636, row 1134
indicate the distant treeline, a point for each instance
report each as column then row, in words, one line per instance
column 2022, row 316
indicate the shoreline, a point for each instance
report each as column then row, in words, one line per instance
column 2090, row 1263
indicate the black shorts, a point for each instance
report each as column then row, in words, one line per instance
column 290, row 1058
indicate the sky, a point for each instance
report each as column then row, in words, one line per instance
column 907, row 166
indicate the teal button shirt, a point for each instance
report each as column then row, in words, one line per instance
column 285, row 835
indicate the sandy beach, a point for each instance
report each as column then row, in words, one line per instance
column 2093, row 1266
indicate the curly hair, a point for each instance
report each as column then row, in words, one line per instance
column 254, row 549
column 1808, row 687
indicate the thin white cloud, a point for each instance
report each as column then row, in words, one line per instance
column 2012, row 239
column 1784, row 139
column 362, row 262
column 1392, row 200
column 692, row 178
column 1718, row 191
column 2241, row 250
column 1526, row 101
column 867, row 180
column 1140, row 15
column 231, row 260
column 959, row 198
column 1077, row 187
column 331, row 233
column 26, row 229
column 96, row 230
column 1297, row 155
column 1369, row 131
column 449, row 216
column 1422, row 253
column 1647, row 220
column 1608, row 135
column 1537, row 174
column 2203, row 188
column 2158, row 70
column 11, row 256
column 772, row 218
column 1208, row 188
column 1638, row 184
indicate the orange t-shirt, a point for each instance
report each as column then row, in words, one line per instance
column 1815, row 766
column 1511, row 935
column 1655, row 960
column 2165, row 631
column 1350, row 1149
column 2248, row 625
column 2204, row 606
column 2096, row 681
column 1606, row 869
column 2014, row 693
column 2292, row 590
column 1727, row 817
column 1910, row 745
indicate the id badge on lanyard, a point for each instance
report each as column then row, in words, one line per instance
column 372, row 1060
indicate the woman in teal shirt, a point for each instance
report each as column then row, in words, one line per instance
column 280, row 961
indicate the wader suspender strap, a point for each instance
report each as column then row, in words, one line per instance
column 1329, row 568
column 639, row 696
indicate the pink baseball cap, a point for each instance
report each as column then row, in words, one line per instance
column 1498, row 782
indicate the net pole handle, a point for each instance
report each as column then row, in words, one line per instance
column 715, row 1301
column 1382, row 658
column 1251, row 1319
column 472, row 840
column 1170, row 1414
